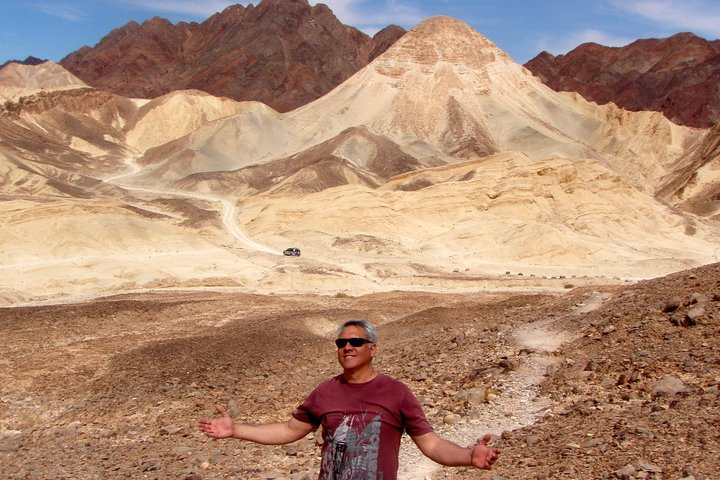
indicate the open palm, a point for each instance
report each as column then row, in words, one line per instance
column 218, row 427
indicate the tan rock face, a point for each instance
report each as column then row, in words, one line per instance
column 677, row 76
column 694, row 184
column 19, row 79
column 446, row 39
column 283, row 54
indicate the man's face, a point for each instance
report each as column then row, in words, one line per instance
column 352, row 358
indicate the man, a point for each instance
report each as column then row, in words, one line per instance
column 363, row 414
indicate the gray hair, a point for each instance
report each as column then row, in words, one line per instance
column 370, row 331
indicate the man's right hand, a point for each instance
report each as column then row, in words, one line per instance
column 218, row 427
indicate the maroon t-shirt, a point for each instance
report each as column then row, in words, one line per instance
column 362, row 426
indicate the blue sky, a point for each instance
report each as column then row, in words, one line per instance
column 52, row 29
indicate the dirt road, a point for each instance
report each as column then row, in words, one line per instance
column 228, row 208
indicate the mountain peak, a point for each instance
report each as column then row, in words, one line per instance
column 446, row 39
column 267, row 3
column 157, row 22
column 283, row 53
column 28, row 61
column 675, row 75
column 443, row 22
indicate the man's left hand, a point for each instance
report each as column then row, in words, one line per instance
column 483, row 456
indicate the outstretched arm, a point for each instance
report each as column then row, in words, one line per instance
column 450, row 454
column 268, row 433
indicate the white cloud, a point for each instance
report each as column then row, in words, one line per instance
column 373, row 15
column 573, row 40
column 65, row 12
column 197, row 9
column 367, row 15
column 701, row 17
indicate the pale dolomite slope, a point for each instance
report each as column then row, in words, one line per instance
column 444, row 93
column 505, row 209
column 177, row 114
column 17, row 80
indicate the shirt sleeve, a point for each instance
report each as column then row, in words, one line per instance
column 414, row 420
column 304, row 411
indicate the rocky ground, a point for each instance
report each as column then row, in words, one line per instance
column 596, row 382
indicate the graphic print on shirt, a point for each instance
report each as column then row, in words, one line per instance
column 352, row 450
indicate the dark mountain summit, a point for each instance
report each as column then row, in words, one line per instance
column 284, row 53
column 678, row 76
column 28, row 61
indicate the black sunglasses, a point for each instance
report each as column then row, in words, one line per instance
column 355, row 342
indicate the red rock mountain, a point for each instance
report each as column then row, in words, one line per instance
column 284, row 53
column 678, row 76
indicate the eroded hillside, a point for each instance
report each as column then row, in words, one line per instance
column 442, row 165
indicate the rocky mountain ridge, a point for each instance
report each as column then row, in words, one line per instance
column 281, row 53
column 441, row 150
column 480, row 103
column 305, row 52
column 677, row 75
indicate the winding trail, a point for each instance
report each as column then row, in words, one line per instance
column 519, row 405
column 229, row 210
